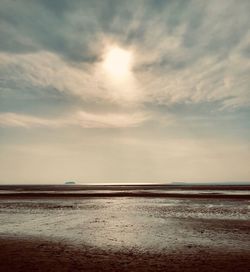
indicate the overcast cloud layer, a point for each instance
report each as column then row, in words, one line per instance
column 185, row 104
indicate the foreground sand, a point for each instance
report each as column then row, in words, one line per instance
column 34, row 255
column 124, row 234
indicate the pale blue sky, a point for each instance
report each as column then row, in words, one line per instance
column 179, row 111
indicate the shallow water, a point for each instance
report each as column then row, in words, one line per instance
column 155, row 191
column 126, row 223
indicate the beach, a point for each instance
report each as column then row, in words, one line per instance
column 124, row 233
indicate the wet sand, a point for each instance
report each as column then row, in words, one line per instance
column 42, row 255
column 146, row 190
column 124, row 234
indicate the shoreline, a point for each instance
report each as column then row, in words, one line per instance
column 30, row 195
column 125, row 187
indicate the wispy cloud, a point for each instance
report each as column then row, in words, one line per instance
column 198, row 54
column 81, row 119
column 188, row 83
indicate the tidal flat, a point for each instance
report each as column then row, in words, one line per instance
column 124, row 234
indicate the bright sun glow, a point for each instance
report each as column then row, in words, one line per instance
column 117, row 62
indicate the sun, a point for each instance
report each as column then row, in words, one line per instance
column 117, row 62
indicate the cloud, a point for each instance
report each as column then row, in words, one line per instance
column 80, row 119
column 44, row 69
column 185, row 52
column 187, row 92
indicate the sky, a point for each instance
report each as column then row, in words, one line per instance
column 124, row 91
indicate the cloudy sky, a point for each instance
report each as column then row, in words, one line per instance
column 124, row 91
